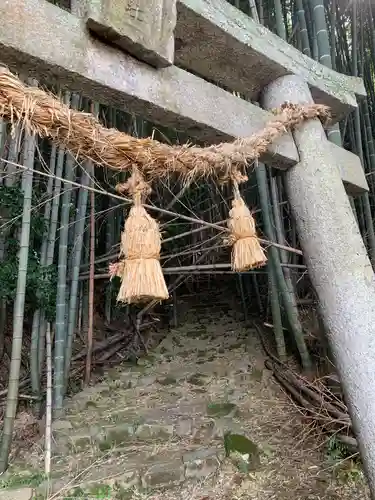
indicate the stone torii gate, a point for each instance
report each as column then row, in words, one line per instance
column 144, row 56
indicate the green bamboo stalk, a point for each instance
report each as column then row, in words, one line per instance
column 324, row 55
column 303, row 28
column 48, row 204
column 289, row 304
column 34, row 356
column 60, row 324
column 48, row 250
column 314, row 43
column 280, row 26
column 37, row 337
column 357, row 127
column 90, row 330
column 255, row 286
column 3, row 138
column 369, row 142
column 333, row 21
column 371, row 46
column 110, row 231
column 76, row 262
column 51, row 240
column 85, row 288
column 19, row 305
column 3, row 304
column 13, row 156
column 309, row 24
column 280, row 235
column 276, row 275
column 287, row 27
column 276, row 314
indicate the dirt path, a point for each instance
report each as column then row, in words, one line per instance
column 155, row 431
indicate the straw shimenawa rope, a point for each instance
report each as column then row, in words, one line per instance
column 246, row 250
column 81, row 133
column 140, row 270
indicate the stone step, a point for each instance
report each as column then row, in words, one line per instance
column 17, row 494
column 141, row 471
column 165, row 381
column 166, row 372
column 195, row 423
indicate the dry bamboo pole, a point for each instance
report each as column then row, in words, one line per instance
column 48, row 431
column 195, row 267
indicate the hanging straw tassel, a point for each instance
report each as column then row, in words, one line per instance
column 142, row 277
column 246, row 251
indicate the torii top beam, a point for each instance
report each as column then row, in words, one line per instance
column 54, row 45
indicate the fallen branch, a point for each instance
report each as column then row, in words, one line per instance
column 313, row 399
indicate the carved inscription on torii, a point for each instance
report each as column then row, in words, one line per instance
column 143, row 28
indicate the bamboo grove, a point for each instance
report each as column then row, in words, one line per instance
column 60, row 219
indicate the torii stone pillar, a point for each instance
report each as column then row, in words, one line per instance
column 337, row 263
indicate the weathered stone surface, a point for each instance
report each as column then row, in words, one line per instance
column 87, row 397
column 63, row 426
column 244, row 56
column 201, row 468
column 78, row 442
column 338, row 265
column 117, row 435
column 201, row 454
column 165, row 474
column 352, row 173
column 168, row 380
column 224, row 425
column 146, row 380
column 152, row 431
column 21, row 494
column 198, row 407
column 130, row 478
column 143, row 28
column 184, row 427
column 67, row 56
column 201, row 463
column 221, row 409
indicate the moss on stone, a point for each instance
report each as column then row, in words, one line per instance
column 221, row 409
column 91, row 404
column 79, row 444
column 167, row 380
column 257, row 374
column 197, row 379
column 117, row 436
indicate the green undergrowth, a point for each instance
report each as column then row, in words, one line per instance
column 346, row 466
column 21, row 480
